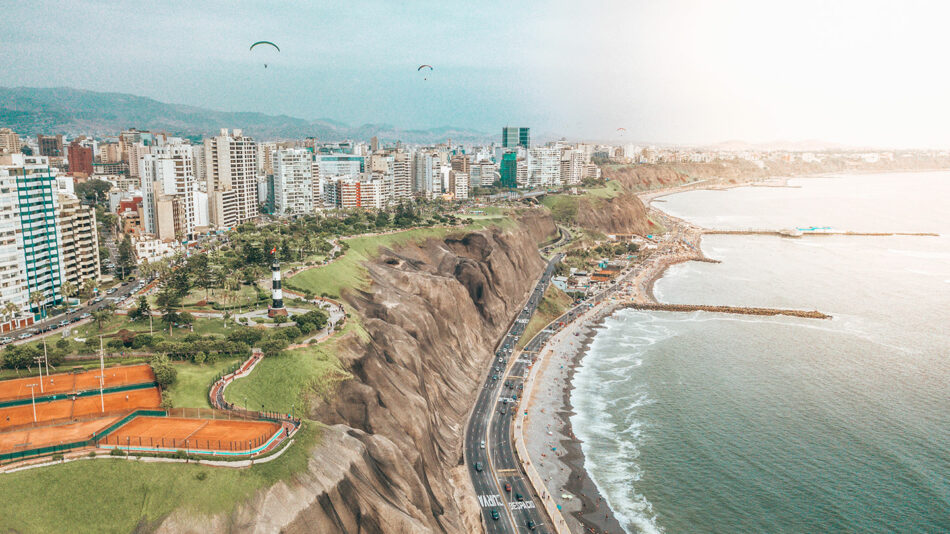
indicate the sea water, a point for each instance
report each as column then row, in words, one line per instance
column 701, row 422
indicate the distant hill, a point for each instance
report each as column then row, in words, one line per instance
column 53, row 110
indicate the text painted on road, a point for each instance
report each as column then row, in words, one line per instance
column 520, row 505
column 490, row 500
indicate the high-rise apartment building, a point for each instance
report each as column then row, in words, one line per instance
column 80, row 159
column 402, row 177
column 135, row 153
column 458, row 185
column 9, row 141
column 509, row 170
column 512, row 137
column 293, row 182
column 37, row 202
column 265, row 158
column 12, row 274
column 50, row 145
column 482, row 174
column 544, row 167
column 79, row 240
column 231, row 172
column 423, row 172
column 168, row 192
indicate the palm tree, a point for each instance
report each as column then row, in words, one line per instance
column 90, row 285
column 38, row 299
column 102, row 315
column 11, row 310
column 68, row 289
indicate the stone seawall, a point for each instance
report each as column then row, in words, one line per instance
column 813, row 314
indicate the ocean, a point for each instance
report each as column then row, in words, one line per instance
column 700, row 422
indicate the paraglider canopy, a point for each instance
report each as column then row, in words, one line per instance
column 621, row 130
column 264, row 43
column 424, row 67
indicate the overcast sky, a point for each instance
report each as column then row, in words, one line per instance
column 684, row 71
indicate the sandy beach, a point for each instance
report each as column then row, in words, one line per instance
column 554, row 450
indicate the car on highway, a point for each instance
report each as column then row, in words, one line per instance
column 482, row 444
column 502, row 410
column 478, row 467
column 85, row 315
column 494, row 514
column 519, row 497
column 111, row 290
column 530, row 525
column 24, row 335
column 508, row 487
column 494, row 377
column 63, row 322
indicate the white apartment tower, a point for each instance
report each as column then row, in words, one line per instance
column 402, row 177
column 231, row 171
column 544, row 167
column 293, row 181
column 168, row 192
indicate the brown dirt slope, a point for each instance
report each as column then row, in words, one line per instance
column 622, row 214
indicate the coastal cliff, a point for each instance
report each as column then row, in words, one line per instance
column 622, row 214
column 391, row 458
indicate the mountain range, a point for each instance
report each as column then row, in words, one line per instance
column 55, row 110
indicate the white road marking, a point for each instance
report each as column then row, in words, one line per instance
column 490, row 500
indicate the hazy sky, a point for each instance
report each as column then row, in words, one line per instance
column 687, row 71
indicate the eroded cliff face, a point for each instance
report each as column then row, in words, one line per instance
column 391, row 461
column 622, row 214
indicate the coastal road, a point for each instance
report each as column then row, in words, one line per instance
column 489, row 450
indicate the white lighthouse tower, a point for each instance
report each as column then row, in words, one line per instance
column 277, row 296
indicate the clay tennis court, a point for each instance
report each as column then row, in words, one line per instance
column 75, row 382
column 33, row 438
column 202, row 434
column 124, row 401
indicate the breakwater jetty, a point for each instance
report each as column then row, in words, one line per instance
column 799, row 233
column 741, row 310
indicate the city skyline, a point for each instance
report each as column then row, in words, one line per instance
column 681, row 72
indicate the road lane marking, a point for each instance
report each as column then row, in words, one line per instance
column 487, row 501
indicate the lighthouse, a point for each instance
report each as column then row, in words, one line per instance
column 277, row 306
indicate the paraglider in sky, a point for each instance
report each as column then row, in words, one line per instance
column 425, row 67
column 621, row 130
column 265, row 44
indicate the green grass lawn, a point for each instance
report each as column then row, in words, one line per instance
column 117, row 322
column 563, row 207
column 347, row 271
column 554, row 303
column 194, row 381
column 122, row 496
column 244, row 296
column 610, row 190
column 284, row 382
